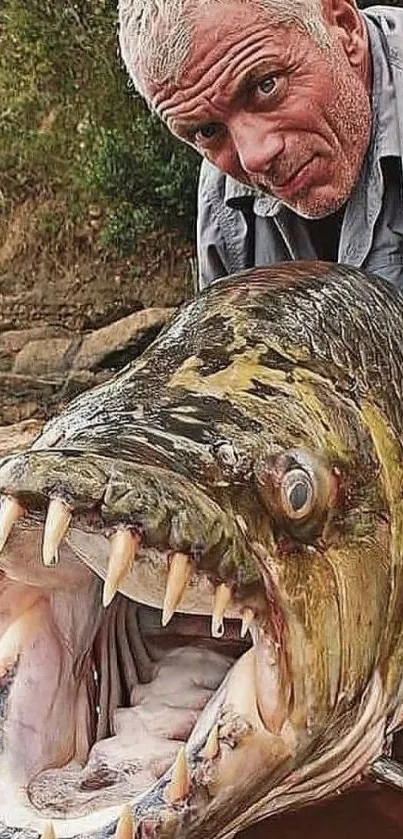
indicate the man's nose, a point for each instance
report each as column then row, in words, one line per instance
column 256, row 142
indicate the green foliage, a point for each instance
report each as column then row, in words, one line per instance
column 148, row 179
column 70, row 125
column 126, row 226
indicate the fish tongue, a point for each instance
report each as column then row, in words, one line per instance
column 149, row 734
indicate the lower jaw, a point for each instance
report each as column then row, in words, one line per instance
column 322, row 773
column 338, row 768
column 342, row 765
column 268, row 757
column 308, row 784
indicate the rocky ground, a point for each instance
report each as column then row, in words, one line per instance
column 44, row 367
column 72, row 312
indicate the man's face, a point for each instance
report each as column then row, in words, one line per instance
column 273, row 109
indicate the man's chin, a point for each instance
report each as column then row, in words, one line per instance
column 313, row 201
column 314, row 207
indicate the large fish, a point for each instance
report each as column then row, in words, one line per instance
column 239, row 490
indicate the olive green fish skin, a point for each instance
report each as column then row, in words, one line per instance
column 291, row 367
column 328, row 321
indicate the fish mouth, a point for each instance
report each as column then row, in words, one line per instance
column 166, row 686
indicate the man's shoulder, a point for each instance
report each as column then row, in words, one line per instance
column 389, row 19
column 221, row 190
column 226, row 188
column 212, row 182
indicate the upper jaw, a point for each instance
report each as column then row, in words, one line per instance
column 116, row 512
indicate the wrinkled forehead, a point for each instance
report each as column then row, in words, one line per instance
column 212, row 41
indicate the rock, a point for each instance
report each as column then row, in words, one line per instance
column 44, row 367
column 19, row 436
column 13, row 341
column 80, row 380
column 47, row 358
column 15, row 413
column 125, row 339
column 26, row 396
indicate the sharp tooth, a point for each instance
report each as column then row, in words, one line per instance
column 212, row 747
column 180, row 781
column 222, row 599
column 124, row 547
column 10, row 511
column 16, row 637
column 247, row 619
column 125, row 825
column 56, row 525
column 180, row 572
column 48, row 831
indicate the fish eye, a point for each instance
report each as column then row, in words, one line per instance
column 297, row 494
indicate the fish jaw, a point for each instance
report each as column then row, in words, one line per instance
column 59, row 494
column 163, row 511
column 268, row 718
column 257, row 775
column 248, row 753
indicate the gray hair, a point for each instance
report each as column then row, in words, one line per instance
column 156, row 35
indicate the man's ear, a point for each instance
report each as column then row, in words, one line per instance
column 346, row 21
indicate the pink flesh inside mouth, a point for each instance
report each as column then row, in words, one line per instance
column 98, row 701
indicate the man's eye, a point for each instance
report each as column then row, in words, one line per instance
column 206, row 132
column 267, row 85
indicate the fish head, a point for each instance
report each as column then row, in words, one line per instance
column 245, row 470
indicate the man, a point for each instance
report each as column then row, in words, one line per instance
column 297, row 109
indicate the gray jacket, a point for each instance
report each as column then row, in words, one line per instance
column 239, row 228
